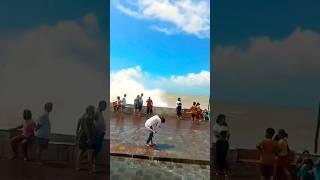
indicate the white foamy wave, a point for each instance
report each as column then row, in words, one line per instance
column 130, row 81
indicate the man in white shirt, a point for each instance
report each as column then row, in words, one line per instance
column 123, row 102
column 152, row 125
column 43, row 130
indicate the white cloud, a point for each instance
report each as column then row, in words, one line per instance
column 193, row 79
column 280, row 71
column 57, row 63
column 166, row 31
column 188, row 16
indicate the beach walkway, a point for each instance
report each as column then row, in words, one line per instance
column 177, row 139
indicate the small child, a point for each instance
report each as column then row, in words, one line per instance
column 222, row 148
column 302, row 159
column 316, row 170
column 28, row 128
column 193, row 111
column 206, row 115
column 305, row 171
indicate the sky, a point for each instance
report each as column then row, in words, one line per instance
column 52, row 51
column 160, row 46
column 267, row 52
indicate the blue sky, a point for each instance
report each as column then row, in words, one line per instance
column 38, row 12
column 135, row 42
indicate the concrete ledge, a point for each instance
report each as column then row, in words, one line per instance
column 168, row 159
column 58, row 150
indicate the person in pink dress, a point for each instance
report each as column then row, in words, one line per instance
column 28, row 128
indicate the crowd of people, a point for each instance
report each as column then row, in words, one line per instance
column 197, row 114
column 90, row 133
column 120, row 105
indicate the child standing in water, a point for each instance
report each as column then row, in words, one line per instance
column 28, row 128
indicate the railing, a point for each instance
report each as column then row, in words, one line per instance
column 61, row 148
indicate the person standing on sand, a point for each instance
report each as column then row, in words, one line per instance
column 152, row 125
column 85, row 136
column 267, row 149
column 179, row 108
column 43, row 130
column 26, row 137
column 149, row 106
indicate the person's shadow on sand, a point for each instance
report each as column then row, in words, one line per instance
column 164, row 146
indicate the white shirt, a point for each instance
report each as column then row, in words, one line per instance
column 123, row 101
column 217, row 129
column 45, row 129
column 179, row 103
column 154, row 121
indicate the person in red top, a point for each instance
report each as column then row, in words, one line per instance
column 193, row 111
column 28, row 128
column 199, row 112
column 149, row 106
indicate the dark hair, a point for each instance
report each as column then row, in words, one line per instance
column 270, row 132
column 90, row 108
column 163, row 120
column 283, row 133
column 220, row 117
column 48, row 105
column 224, row 134
column 27, row 115
column 305, row 152
column 102, row 103
column 194, row 103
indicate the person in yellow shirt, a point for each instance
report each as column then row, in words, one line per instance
column 268, row 149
